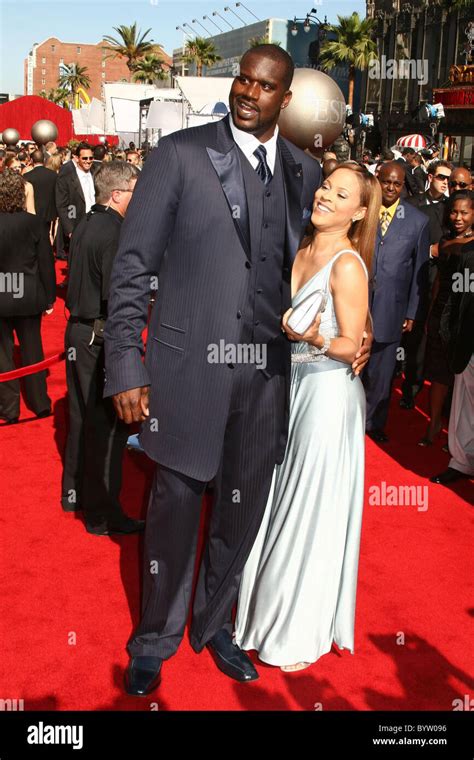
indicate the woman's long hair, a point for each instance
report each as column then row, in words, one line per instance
column 12, row 192
column 363, row 231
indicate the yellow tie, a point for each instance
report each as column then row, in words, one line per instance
column 384, row 222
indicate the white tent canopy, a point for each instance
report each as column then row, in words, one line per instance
column 122, row 103
column 90, row 119
column 195, row 100
column 199, row 91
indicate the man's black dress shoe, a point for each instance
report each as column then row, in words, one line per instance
column 142, row 675
column 124, row 526
column 230, row 659
column 448, row 476
column 378, row 436
column 44, row 413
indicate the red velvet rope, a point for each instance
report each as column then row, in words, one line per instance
column 14, row 374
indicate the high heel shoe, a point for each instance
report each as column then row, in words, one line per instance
column 425, row 442
column 429, row 440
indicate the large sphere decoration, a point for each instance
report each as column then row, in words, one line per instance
column 10, row 136
column 317, row 111
column 43, row 131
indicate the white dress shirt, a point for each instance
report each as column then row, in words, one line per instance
column 87, row 184
column 248, row 143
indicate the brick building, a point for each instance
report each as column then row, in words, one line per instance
column 43, row 65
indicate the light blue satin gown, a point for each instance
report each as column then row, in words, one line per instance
column 298, row 590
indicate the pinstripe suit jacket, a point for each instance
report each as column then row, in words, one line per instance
column 188, row 224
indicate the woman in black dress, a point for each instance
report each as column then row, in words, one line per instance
column 27, row 289
column 460, row 218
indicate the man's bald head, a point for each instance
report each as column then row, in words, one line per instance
column 392, row 178
column 460, row 179
column 392, row 166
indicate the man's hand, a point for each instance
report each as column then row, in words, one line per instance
column 132, row 406
column 363, row 354
column 408, row 325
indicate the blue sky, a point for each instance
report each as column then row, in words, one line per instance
column 24, row 22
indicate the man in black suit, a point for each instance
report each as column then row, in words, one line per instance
column 218, row 214
column 399, row 291
column 75, row 193
column 96, row 438
column 461, row 358
column 432, row 203
column 99, row 153
column 413, row 185
column 44, row 185
column 419, row 173
column 439, row 173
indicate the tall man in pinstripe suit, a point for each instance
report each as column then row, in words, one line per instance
column 219, row 220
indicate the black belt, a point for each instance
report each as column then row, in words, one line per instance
column 75, row 320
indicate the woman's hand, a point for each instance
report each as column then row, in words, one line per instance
column 311, row 336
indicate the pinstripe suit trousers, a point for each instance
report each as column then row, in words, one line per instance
column 241, row 487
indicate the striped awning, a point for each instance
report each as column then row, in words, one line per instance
column 412, row 141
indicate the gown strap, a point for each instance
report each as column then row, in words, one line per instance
column 339, row 253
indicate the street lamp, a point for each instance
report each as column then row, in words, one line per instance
column 239, row 5
column 204, row 18
column 310, row 19
column 215, row 13
column 193, row 30
column 185, row 34
column 195, row 21
column 235, row 14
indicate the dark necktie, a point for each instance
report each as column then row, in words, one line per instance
column 263, row 170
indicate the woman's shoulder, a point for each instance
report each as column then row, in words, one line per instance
column 348, row 261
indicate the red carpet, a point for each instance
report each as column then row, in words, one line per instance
column 70, row 600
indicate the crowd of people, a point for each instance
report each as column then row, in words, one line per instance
column 443, row 193
column 41, row 204
column 385, row 239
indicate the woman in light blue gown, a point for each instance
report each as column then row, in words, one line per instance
column 298, row 589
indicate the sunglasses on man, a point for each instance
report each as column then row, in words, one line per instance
column 442, row 177
column 462, row 185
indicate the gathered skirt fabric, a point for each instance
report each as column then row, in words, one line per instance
column 298, row 590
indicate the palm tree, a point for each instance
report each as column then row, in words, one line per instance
column 72, row 77
column 201, row 52
column 354, row 46
column 254, row 41
column 56, row 95
column 148, row 69
column 131, row 45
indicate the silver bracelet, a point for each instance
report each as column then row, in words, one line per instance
column 324, row 348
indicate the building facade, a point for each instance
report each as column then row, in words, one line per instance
column 302, row 46
column 418, row 43
column 44, row 63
